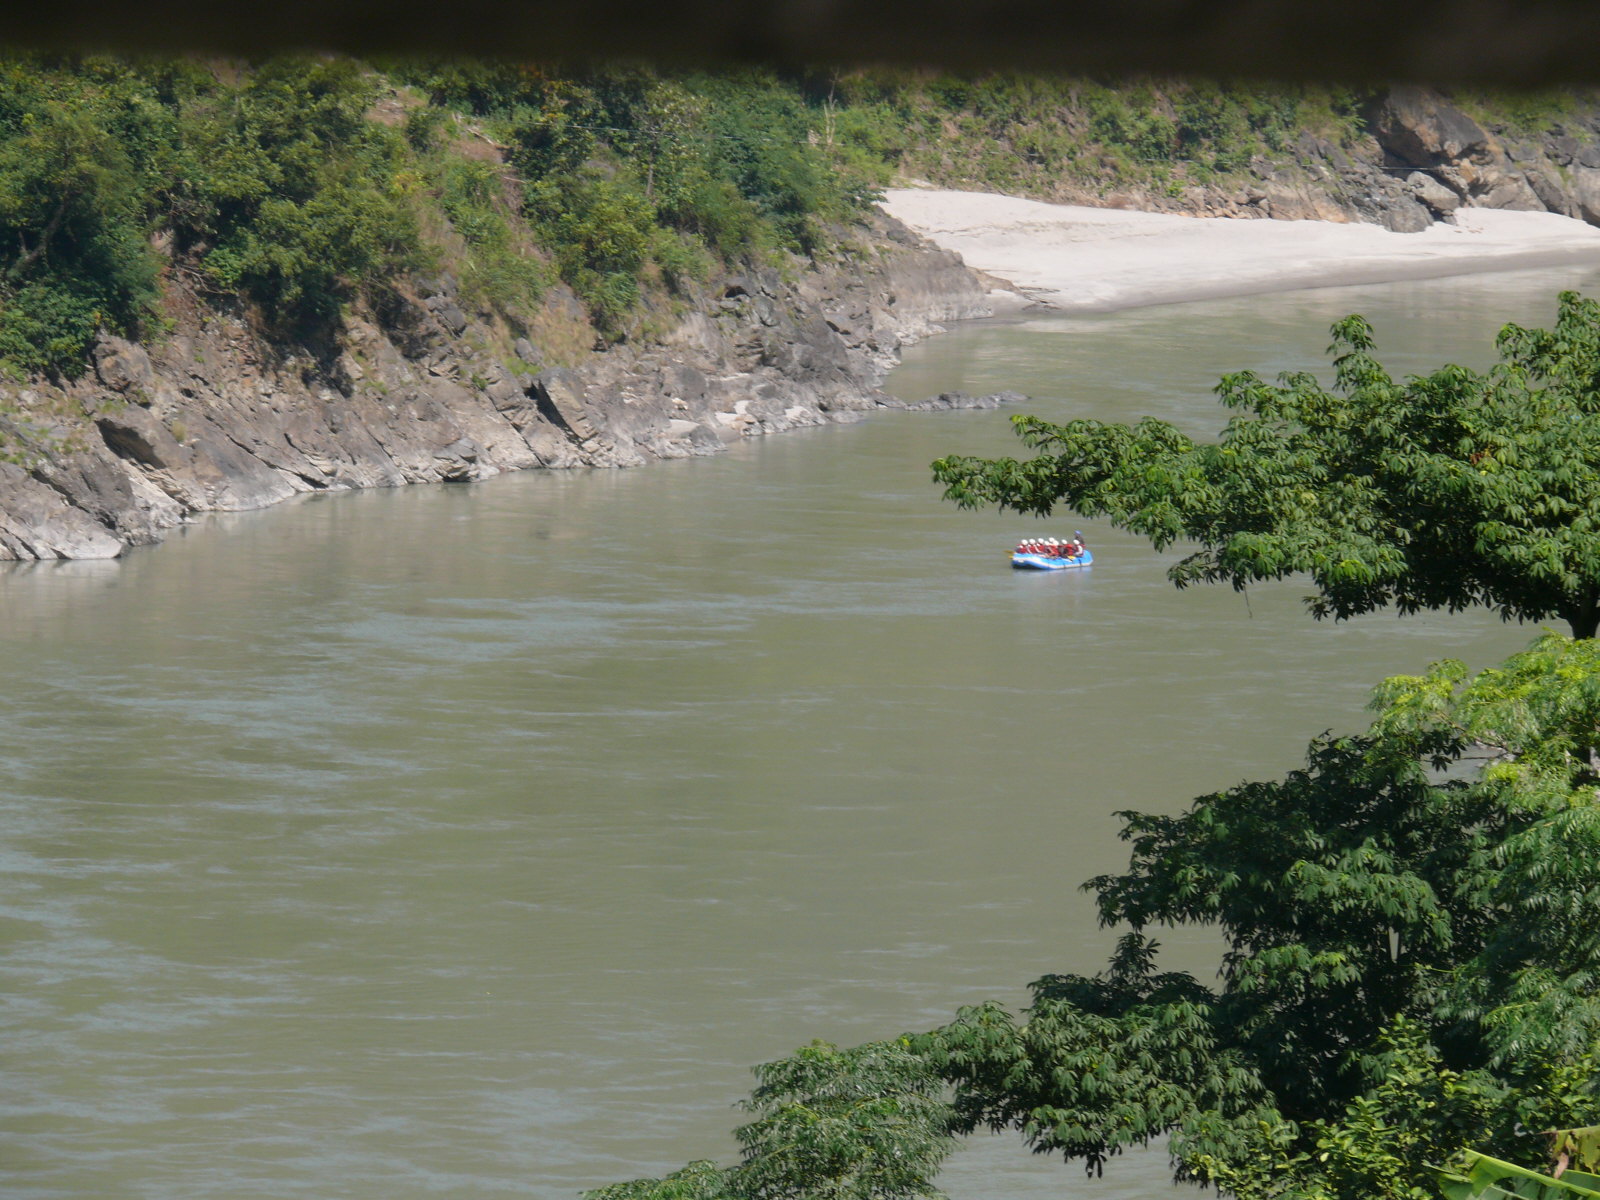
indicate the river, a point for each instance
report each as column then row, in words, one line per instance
column 474, row 841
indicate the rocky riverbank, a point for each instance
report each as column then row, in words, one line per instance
column 213, row 417
column 1419, row 158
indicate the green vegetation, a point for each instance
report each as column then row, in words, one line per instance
column 296, row 187
column 1480, row 1177
column 1454, row 489
column 1410, row 978
column 1525, row 114
column 627, row 175
column 300, row 185
column 276, row 189
column 1409, row 967
column 288, row 193
column 1412, row 947
column 1043, row 137
column 830, row 1124
column 502, row 269
column 72, row 160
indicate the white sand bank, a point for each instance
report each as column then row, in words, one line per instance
column 1097, row 259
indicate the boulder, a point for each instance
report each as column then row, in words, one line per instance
column 1419, row 128
column 1440, row 199
column 1586, row 193
column 123, row 367
column 37, row 521
column 116, row 497
column 1506, row 188
column 560, row 394
column 135, row 433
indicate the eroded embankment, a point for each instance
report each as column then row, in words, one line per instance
column 214, row 417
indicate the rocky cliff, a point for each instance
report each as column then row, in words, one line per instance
column 215, row 417
column 1421, row 157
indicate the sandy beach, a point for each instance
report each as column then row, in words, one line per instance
column 1097, row 260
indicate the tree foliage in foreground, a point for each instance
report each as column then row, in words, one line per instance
column 1411, row 968
column 1444, row 491
column 1477, row 1176
column 1411, row 965
column 858, row 1124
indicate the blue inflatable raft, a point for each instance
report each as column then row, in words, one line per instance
column 1050, row 562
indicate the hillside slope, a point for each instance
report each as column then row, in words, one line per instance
column 222, row 285
column 1401, row 157
column 214, row 417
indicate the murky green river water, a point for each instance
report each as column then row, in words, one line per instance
column 475, row 841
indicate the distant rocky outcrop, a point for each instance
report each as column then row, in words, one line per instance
column 1421, row 159
column 1456, row 161
column 1429, row 158
column 215, row 417
column 1446, row 159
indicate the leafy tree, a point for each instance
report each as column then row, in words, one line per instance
column 854, row 1124
column 73, row 256
column 700, row 1180
column 1385, row 1143
column 1412, row 960
column 603, row 232
column 762, row 143
column 867, row 1123
column 1095, row 1065
column 1476, row 1176
column 476, row 85
column 554, row 132
column 660, row 132
column 1444, row 491
column 1411, row 967
column 289, row 193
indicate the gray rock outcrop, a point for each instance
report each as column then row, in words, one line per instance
column 214, row 418
column 1446, row 159
column 1419, row 158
